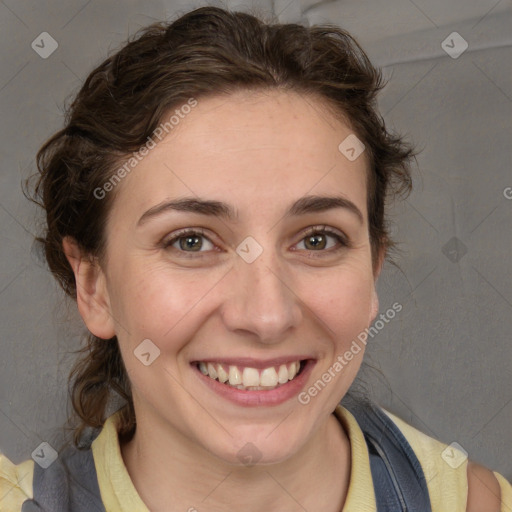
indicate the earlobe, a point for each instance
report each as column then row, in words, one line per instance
column 374, row 307
column 380, row 262
column 91, row 291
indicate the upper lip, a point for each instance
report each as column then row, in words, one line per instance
column 249, row 362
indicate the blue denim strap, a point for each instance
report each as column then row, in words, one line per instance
column 398, row 479
column 70, row 484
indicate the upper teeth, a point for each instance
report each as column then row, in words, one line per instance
column 250, row 377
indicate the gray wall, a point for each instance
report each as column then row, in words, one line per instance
column 446, row 356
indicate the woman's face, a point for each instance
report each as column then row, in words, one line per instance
column 258, row 291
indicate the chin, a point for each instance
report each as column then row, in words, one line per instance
column 257, row 448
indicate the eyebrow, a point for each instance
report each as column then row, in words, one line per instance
column 303, row 206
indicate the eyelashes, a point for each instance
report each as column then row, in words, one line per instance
column 193, row 239
column 186, row 234
column 325, row 232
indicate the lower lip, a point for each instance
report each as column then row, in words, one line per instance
column 248, row 398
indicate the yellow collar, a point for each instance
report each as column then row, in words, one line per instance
column 119, row 494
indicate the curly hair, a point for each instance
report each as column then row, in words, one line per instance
column 206, row 52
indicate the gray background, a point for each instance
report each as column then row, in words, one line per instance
column 446, row 356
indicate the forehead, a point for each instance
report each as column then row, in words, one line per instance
column 260, row 147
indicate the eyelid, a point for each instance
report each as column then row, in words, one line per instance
column 167, row 241
column 341, row 238
column 329, row 231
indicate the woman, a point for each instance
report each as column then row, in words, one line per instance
column 215, row 204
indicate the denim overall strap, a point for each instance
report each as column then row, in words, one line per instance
column 398, row 479
column 70, row 484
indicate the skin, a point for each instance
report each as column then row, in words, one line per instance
column 259, row 153
column 484, row 493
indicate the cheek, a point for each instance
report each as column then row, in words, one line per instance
column 167, row 305
column 343, row 300
column 151, row 300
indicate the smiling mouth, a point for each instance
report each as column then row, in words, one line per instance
column 251, row 379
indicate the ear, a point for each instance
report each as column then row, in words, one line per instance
column 374, row 308
column 91, row 290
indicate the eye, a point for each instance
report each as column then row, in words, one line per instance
column 317, row 240
column 189, row 240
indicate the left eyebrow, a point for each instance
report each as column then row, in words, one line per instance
column 303, row 206
column 312, row 204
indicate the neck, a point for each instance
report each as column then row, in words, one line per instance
column 170, row 475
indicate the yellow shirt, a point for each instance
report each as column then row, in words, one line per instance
column 447, row 486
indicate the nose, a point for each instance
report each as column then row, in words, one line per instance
column 261, row 300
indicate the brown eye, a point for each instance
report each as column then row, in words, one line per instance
column 192, row 242
column 189, row 241
column 317, row 240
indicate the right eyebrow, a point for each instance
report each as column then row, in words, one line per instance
column 302, row 206
column 193, row 205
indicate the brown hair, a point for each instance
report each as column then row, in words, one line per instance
column 208, row 51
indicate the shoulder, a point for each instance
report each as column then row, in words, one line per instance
column 15, row 484
column 452, row 478
column 484, row 493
